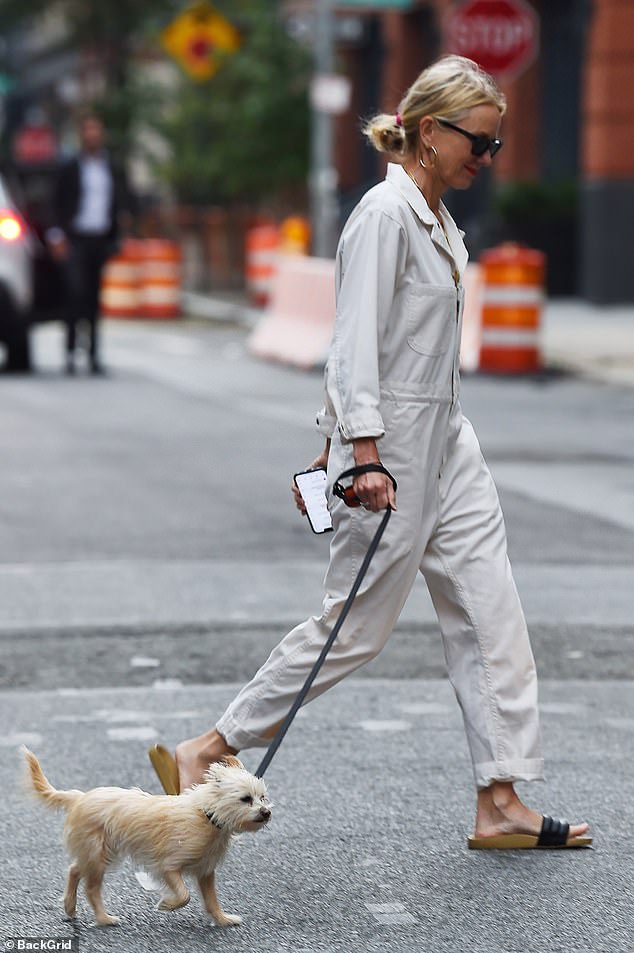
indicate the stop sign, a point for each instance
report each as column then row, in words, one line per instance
column 502, row 36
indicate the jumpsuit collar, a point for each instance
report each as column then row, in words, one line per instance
column 455, row 248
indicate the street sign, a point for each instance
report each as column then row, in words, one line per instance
column 34, row 144
column 198, row 39
column 330, row 93
column 502, row 36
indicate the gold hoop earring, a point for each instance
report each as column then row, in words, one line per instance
column 434, row 151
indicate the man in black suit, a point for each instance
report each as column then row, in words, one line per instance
column 90, row 199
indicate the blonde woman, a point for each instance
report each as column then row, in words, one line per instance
column 392, row 396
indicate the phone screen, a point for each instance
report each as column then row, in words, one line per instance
column 312, row 485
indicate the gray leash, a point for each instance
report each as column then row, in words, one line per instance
column 350, row 499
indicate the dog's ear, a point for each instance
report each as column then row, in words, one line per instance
column 232, row 762
column 215, row 770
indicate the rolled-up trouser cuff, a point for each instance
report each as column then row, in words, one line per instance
column 237, row 738
column 490, row 771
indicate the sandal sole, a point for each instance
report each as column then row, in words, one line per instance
column 164, row 765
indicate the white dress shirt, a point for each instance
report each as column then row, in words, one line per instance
column 95, row 196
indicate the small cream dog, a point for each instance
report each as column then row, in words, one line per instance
column 166, row 835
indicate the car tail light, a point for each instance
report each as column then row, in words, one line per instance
column 11, row 228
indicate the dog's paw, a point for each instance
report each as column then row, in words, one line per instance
column 167, row 904
column 70, row 910
column 108, row 921
column 228, row 920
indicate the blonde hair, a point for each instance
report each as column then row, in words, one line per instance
column 448, row 89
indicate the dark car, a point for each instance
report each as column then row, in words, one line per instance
column 31, row 283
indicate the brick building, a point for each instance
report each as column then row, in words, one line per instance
column 565, row 178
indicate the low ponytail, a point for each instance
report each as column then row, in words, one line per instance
column 387, row 134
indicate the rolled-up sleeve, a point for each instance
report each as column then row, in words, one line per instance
column 327, row 416
column 369, row 262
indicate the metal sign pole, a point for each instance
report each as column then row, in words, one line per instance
column 323, row 176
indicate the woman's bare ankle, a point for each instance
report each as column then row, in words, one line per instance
column 194, row 756
column 502, row 794
column 500, row 810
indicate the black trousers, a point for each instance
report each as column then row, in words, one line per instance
column 83, row 269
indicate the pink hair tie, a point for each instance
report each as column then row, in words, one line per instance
column 399, row 120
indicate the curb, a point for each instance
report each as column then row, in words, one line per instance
column 210, row 308
column 604, row 366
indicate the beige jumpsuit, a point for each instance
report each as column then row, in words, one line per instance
column 393, row 374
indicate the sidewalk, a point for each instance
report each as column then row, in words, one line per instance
column 594, row 341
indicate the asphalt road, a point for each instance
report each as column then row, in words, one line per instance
column 150, row 557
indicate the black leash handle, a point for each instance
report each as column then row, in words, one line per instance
column 372, row 548
column 346, row 493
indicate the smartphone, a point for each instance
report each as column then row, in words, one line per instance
column 312, row 485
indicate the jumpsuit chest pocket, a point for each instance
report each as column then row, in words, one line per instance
column 431, row 318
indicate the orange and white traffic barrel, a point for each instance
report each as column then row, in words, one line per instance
column 160, row 279
column 512, row 304
column 295, row 235
column 121, row 282
column 262, row 243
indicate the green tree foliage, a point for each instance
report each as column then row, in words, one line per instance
column 245, row 132
column 112, row 31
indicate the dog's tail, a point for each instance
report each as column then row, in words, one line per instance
column 39, row 785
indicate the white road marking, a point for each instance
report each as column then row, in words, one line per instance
column 372, row 725
column 143, row 661
column 107, row 715
column 390, row 914
column 138, row 733
column 395, row 919
column 165, row 684
column 385, row 907
column 116, row 714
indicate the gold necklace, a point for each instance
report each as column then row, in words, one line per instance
column 437, row 217
column 455, row 273
column 415, row 182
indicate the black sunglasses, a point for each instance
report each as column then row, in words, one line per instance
column 479, row 144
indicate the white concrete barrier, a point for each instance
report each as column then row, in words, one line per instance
column 472, row 318
column 297, row 326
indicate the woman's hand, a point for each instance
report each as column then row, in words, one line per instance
column 375, row 490
column 321, row 461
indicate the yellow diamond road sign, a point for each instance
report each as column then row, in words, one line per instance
column 198, row 39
